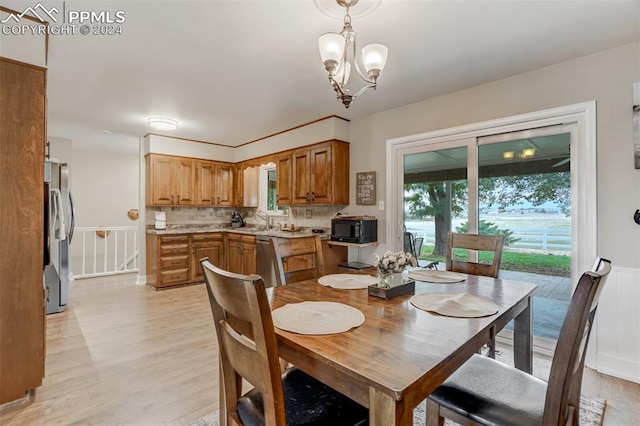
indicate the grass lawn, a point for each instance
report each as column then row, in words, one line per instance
column 535, row 263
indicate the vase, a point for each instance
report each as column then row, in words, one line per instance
column 390, row 279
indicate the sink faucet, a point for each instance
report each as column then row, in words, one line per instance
column 264, row 216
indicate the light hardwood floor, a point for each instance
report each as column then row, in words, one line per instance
column 128, row 355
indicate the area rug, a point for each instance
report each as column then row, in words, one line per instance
column 591, row 414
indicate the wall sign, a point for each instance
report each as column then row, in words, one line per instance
column 366, row 188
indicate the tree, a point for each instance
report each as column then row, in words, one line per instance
column 439, row 200
column 442, row 200
column 490, row 228
column 505, row 191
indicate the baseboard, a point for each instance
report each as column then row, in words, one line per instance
column 141, row 280
column 622, row 368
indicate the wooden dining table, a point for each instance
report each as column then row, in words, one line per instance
column 400, row 354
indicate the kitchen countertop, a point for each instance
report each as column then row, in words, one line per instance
column 199, row 229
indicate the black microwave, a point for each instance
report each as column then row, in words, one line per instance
column 357, row 230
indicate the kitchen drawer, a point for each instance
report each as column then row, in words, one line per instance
column 173, row 277
column 174, row 262
column 173, row 249
column 174, row 239
column 206, row 240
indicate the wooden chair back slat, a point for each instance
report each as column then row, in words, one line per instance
column 565, row 379
column 305, row 252
column 246, row 340
column 491, row 243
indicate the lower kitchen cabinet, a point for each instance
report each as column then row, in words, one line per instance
column 241, row 253
column 175, row 259
column 206, row 245
column 333, row 256
column 167, row 260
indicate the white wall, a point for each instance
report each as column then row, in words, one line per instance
column 105, row 188
column 606, row 77
column 322, row 130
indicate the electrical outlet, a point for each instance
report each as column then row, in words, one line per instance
column 219, row 213
column 308, row 213
column 381, row 205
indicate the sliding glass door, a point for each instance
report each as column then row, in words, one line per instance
column 520, row 184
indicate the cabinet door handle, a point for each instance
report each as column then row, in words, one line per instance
column 313, row 196
column 307, row 197
column 218, row 200
column 172, row 199
column 277, row 198
column 178, row 199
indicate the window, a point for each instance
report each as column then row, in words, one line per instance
column 267, row 192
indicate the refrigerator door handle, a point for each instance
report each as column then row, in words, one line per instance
column 72, row 225
column 58, row 215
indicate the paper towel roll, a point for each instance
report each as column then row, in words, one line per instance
column 161, row 224
column 161, row 216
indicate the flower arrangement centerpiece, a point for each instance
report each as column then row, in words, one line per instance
column 391, row 266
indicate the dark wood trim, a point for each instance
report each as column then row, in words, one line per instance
column 24, row 64
column 294, row 128
column 188, row 140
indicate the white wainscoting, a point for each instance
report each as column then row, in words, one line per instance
column 617, row 351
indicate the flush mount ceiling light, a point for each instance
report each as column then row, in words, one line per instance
column 339, row 55
column 163, row 123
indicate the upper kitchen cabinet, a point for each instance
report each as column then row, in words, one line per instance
column 246, row 186
column 284, row 168
column 213, row 184
column 320, row 174
column 170, row 180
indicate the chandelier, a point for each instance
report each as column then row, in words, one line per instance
column 338, row 53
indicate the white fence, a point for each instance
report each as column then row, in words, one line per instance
column 100, row 251
column 542, row 239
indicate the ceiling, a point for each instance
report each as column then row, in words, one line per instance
column 232, row 71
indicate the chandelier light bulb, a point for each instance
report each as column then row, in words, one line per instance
column 374, row 57
column 331, row 47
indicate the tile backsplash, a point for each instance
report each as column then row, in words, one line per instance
column 307, row 217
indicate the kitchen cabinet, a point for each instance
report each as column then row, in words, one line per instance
column 241, row 253
column 250, row 186
column 168, row 261
column 284, row 168
column 22, row 301
column 170, row 180
column 320, row 174
column 214, row 184
column 333, row 256
column 206, row 245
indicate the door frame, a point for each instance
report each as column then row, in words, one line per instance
column 580, row 118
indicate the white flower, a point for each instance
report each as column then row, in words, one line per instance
column 394, row 261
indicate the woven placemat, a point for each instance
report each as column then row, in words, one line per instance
column 432, row 276
column 459, row 305
column 348, row 281
column 317, row 317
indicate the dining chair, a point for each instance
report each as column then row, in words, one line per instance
column 486, row 392
column 485, row 243
column 299, row 258
column 248, row 349
column 409, row 243
column 417, row 245
column 268, row 264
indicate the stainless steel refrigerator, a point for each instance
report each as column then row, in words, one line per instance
column 59, row 221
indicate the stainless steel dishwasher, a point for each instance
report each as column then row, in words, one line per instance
column 266, row 263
